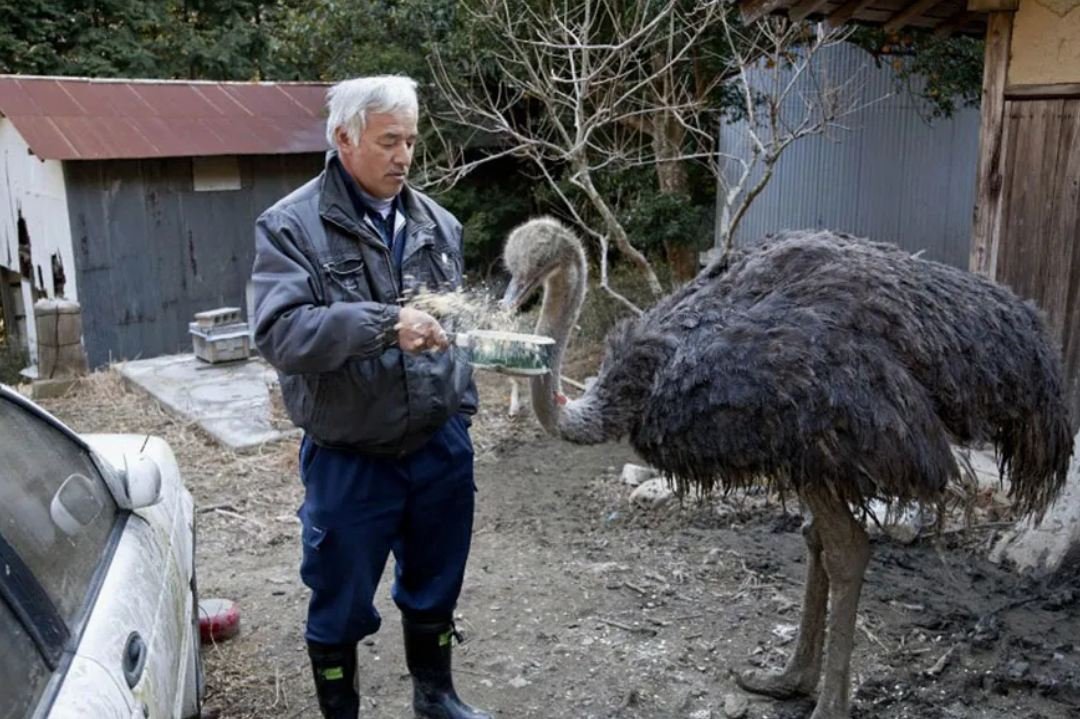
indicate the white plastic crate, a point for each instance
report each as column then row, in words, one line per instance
column 225, row 343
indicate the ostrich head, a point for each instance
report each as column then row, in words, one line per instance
column 538, row 251
column 545, row 253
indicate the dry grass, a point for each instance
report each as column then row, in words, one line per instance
column 258, row 485
column 467, row 309
column 249, row 488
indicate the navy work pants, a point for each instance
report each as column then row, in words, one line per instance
column 358, row 508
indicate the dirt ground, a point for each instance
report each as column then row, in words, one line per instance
column 578, row 605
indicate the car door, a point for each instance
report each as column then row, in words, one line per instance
column 59, row 526
column 24, row 673
column 148, row 596
column 141, row 628
column 27, row 680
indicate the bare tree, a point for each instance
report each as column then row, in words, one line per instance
column 583, row 87
column 784, row 96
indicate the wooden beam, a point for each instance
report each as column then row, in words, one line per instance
column 950, row 26
column 753, row 10
column 845, row 12
column 805, row 9
column 993, row 5
column 986, row 228
column 898, row 21
column 1055, row 91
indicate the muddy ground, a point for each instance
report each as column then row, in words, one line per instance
column 578, row 605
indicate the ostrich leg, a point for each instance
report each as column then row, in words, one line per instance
column 845, row 553
column 800, row 676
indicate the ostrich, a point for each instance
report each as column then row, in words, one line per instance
column 827, row 365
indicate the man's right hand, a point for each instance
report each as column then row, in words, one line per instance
column 418, row 331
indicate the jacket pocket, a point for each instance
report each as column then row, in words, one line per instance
column 346, row 280
column 298, row 392
column 437, row 267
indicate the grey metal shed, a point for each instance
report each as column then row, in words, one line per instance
column 137, row 198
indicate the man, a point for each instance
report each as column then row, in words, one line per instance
column 386, row 460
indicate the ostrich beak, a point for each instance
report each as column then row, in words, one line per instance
column 510, row 300
column 516, row 294
column 520, row 290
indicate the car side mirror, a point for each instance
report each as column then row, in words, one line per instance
column 142, row 481
column 75, row 505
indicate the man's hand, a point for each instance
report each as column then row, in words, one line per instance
column 418, row 331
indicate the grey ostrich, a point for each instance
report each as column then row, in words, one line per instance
column 827, row 365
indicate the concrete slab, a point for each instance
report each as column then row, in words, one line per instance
column 51, row 388
column 230, row 401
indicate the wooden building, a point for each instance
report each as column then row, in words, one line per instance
column 1026, row 229
column 138, row 199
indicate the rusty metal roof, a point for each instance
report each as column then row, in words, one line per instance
column 84, row 119
column 944, row 17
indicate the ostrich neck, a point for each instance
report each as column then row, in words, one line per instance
column 564, row 293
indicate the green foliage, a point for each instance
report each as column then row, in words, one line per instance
column 330, row 39
column 13, row 359
column 657, row 220
column 654, row 220
column 67, row 37
column 225, row 39
column 200, row 39
column 489, row 205
column 946, row 72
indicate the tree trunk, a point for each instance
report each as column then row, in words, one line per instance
column 615, row 229
column 668, row 135
column 681, row 256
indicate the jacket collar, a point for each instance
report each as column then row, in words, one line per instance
column 336, row 206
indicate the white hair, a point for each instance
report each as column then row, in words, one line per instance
column 351, row 100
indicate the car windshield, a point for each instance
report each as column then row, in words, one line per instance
column 55, row 510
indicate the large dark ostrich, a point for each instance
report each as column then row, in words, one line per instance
column 835, row 367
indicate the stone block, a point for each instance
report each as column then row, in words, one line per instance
column 635, row 474
column 68, row 328
column 653, row 493
column 1044, row 547
column 64, row 361
column 45, row 324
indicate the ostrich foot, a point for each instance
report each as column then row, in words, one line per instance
column 787, row 684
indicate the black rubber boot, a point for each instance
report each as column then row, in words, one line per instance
column 334, row 667
column 427, row 654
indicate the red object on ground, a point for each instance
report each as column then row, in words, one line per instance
column 219, row 619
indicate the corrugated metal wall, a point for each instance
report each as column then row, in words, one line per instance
column 150, row 251
column 893, row 175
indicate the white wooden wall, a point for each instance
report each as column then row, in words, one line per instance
column 35, row 188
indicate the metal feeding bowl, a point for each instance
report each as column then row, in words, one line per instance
column 507, row 352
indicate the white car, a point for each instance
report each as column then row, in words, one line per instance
column 97, row 574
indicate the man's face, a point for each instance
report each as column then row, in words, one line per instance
column 380, row 160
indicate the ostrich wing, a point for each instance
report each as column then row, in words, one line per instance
column 821, row 357
column 782, row 392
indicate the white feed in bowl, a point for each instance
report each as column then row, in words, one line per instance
column 510, row 352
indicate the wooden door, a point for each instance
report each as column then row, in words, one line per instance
column 1039, row 250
